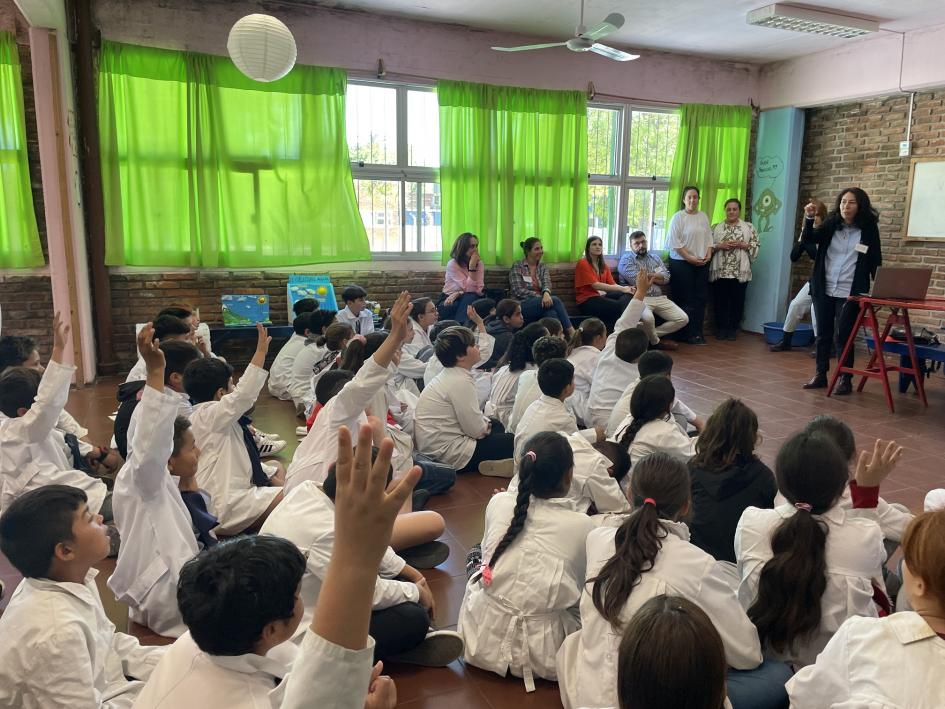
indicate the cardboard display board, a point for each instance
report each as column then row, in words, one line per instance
column 925, row 218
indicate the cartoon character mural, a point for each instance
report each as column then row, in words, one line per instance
column 768, row 204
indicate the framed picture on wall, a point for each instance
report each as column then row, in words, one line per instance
column 925, row 218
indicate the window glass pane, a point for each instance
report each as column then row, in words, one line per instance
column 652, row 143
column 379, row 204
column 660, row 220
column 423, row 129
column 371, row 117
column 602, row 215
column 603, row 136
column 646, row 211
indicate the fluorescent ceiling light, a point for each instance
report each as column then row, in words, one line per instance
column 802, row 19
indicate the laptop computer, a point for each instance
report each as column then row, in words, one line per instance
column 901, row 283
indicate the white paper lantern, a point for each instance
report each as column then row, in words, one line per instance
column 262, row 47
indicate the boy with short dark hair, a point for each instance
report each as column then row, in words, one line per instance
column 16, row 351
column 355, row 313
column 59, row 648
column 304, row 305
column 280, row 373
column 166, row 329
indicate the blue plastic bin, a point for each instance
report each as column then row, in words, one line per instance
column 803, row 335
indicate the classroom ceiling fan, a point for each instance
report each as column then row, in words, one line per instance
column 585, row 40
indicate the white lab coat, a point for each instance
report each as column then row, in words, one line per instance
column 184, row 408
column 504, row 388
column 280, row 373
column 138, row 373
column 306, row 517
column 527, row 392
column 421, row 339
column 224, row 470
column 486, row 343
column 587, row 661
column 855, row 555
column 319, row 674
column 612, row 374
column 875, row 663
column 448, row 422
column 891, row 520
column 157, row 536
column 319, row 449
column 362, row 323
column 659, row 436
column 520, row 620
column 547, row 413
column 301, row 379
column 584, row 359
column 622, row 410
column 31, row 449
column 59, row 649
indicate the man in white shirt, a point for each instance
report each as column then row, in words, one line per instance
column 615, row 367
column 60, row 649
column 355, row 313
column 280, row 373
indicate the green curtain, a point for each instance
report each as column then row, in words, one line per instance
column 204, row 167
column 513, row 164
column 19, row 237
column 712, row 154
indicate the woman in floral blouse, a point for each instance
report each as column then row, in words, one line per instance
column 530, row 284
column 735, row 247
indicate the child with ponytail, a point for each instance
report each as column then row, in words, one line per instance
column 650, row 427
column 809, row 564
column 649, row 554
column 889, row 662
column 327, row 350
column 522, row 603
column 584, row 351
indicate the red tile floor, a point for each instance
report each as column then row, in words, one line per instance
column 704, row 376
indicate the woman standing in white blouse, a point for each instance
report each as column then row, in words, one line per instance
column 690, row 244
column 735, row 246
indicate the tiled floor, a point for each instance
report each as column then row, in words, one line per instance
column 704, row 376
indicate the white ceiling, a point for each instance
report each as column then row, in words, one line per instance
column 713, row 28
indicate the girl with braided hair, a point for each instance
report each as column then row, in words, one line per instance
column 650, row 426
column 522, row 603
column 649, row 554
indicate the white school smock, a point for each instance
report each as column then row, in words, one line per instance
column 547, row 413
column 855, row 555
column 59, row 649
column 587, row 661
column 184, row 408
column 138, row 373
column 157, row 536
column 612, row 374
column 224, row 470
column 319, row 449
column 301, row 385
column 448, row 422
column 362, row 323
column 306, row 517
column 280, row 373
column 659, row 436
column 875, row 663
column 527, row 392
column 486, row 343
column 504, row 388
column 891, row 520
column 31, row 449
column 622, row 409
column 584, row 359
column 421, row 339
column 519, row 622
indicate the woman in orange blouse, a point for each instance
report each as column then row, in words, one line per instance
column 595, row 291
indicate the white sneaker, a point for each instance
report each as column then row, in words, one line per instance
column 438, row 649
column 301, row 431
column 270, row 447
column 498, row 468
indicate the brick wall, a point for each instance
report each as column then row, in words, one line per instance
column 858, row 144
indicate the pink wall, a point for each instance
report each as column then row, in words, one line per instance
column 355, row 41
column 858, row 69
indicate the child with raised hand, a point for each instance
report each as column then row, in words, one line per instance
column 59, row 648
column 151, row 513
column 32, row 452
column 647, row 555
column 809, row 564
column 727, row 477
column 583, row 352
column 522, row 603
column 243, row 490
column 650, row 427
column 892, row 661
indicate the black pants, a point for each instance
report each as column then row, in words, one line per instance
column 690, row 290
column 608, row 308
column 498, row 445
column 398, row 629
column 835, row 319
column 728, row 302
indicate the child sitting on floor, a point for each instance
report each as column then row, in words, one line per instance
column 280, row 373
column 553, row 326
column 650, row 427
column 583, row 352
column 243, row 490
column 507, row 321
column 527, row 390
column 517, row 360
column 314, row 355
column 166, row 329
column 482, row 375
column 60, row 649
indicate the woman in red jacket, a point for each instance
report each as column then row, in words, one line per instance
column 595, row 291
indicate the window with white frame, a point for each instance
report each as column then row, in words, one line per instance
column 629, row 156
column 394, row 145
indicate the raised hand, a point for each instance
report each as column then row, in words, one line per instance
column 472, row 314
column 810, row 210
column 150, row 348
column 262, row 346
column 872, row 469
column 399, row 312
column 644, row 281
column 60, row 337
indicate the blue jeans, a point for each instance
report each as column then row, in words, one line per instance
column 457, row 309
column 533, row 310
column 435, row 477
column 760, row 688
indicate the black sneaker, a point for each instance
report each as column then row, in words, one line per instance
column 438, row 649
column 425, row 556
column 696, row 340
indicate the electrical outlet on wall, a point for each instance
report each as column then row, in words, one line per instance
column 904, row 148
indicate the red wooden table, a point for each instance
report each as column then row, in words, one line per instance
column 877, row 367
